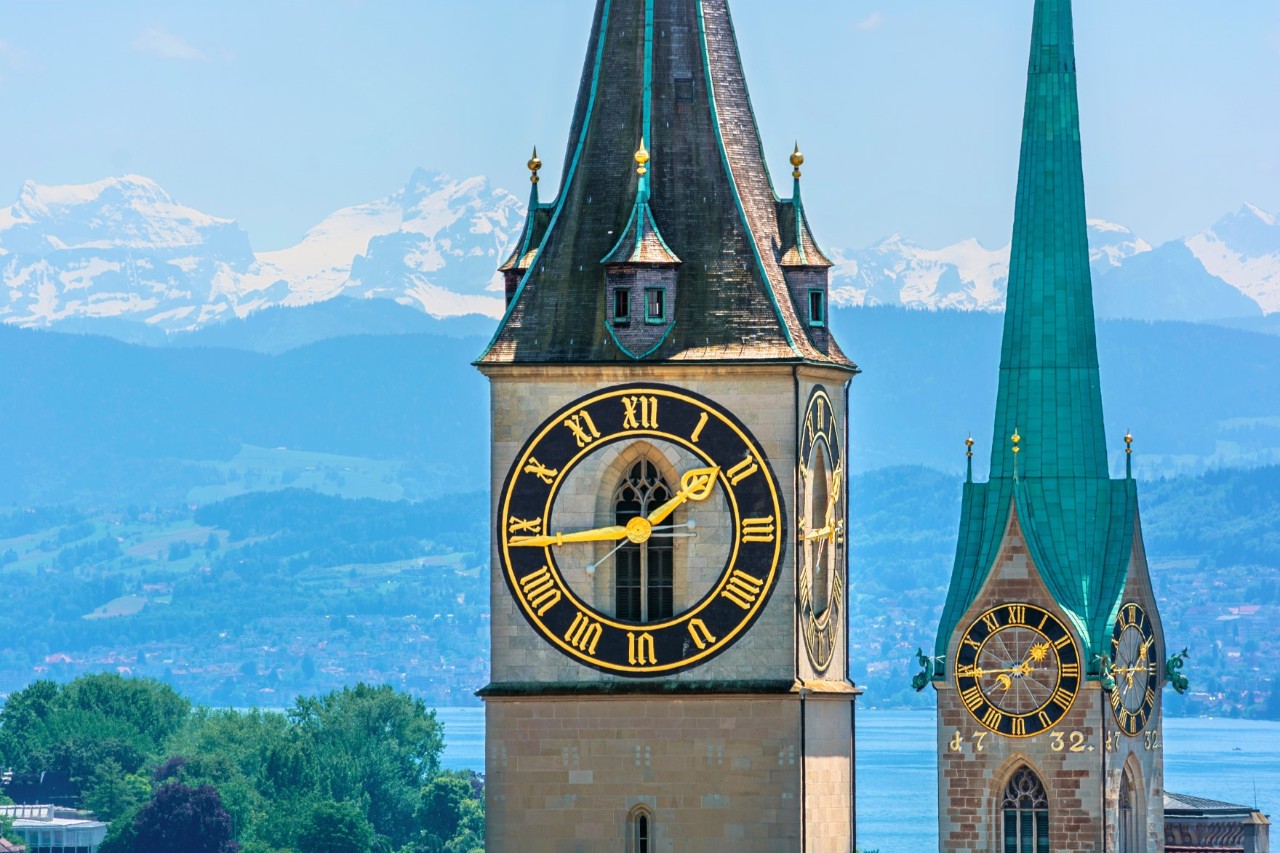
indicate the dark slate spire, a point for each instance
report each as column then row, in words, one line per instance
column 1079, row 524
column 665, row 74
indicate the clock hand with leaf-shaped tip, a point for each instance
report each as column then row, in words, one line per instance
column 695, row 485
column 833, row 502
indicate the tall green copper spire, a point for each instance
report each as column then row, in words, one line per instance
column 1049, row 387
column 1079, row 524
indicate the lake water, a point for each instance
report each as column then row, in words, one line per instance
column 897, row 804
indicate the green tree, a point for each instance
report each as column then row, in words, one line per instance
column 335, row 828
column 374, row 743
column 110, row 792
column 78, row 726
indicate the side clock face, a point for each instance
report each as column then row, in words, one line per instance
column 1133, row 653
column 1017, row 670
column 820, row 538
column 552, row 572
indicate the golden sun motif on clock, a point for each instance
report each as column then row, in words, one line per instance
column 1134, row 668
column 820, row 537
column 1017, row 670
column 722, row 502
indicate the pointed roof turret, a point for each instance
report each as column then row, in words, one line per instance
column 535, row 224
column 1078, row 523
column 668, row 73
column 800, row 249
column 641, row 242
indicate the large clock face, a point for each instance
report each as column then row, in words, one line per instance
column 1017, row 670
column 550, row 568
column 1133, row 652
column 820, row 538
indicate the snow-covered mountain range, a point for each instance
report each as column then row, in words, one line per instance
column 122, row 248
column 1230, row 270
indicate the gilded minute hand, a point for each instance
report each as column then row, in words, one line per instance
column 599, row 534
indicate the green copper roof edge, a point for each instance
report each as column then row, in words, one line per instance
column 568, row 179
column 728, row 169
column 650, row 351
column 751, row 110
column 526, row 235
column 642, row 191
column 798, row 205
column 640, row 214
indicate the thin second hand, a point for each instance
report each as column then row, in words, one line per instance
column 591, row 567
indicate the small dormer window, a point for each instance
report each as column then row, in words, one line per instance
column 655, row 305
column 622, row 306
column 817, row 308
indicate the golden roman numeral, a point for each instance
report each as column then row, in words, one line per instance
column 540, row 590
column 1045, row 721
column 1070, row 670
column 583, row 428
column 969, row 641
column 640, row 649
column 822, row 414
column 758, row 529
column 1062, row 642
column 1017, row 614
column 1063, row 699
column 519, row 525
column 1149, row 698
column 640, row 412
column 584, row 634
column 1131, row 612
column 1019, row 727
column 992, row 719
column 742, row 470
column 991, row 621
column 743, row 589
column 701, row 636
column 697, row 431
column 968, row 672
column 972, row 698
column 1116, row 698
column 542, row 472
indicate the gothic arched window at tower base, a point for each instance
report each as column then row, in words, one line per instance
column 644, row 576
column 1025, row 813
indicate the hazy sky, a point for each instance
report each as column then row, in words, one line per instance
column 276, row 113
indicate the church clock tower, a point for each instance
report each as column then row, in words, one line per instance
column 1049, row 654
column 669, row 414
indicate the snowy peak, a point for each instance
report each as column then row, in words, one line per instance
column 127, row 212
column 1243, row 249
column 124, row 248
column 1110, row 245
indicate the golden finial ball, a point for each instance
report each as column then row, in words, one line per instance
column 968, row 442
column 1015, row 438
column 1128, row 442
column 534, row 165
column 642, row 157
column 797, row 159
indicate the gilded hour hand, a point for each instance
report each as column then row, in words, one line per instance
column 695, row 485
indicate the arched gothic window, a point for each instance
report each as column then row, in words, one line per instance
column 640, row 831
column 1128, row 828
column 644, row 576
column 1026, row 814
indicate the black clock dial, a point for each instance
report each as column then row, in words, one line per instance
column 821, row 529
column 541, row 564
column 1017, row 670
column 1134, row 655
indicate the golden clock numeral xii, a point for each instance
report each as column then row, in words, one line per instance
column 640, row 412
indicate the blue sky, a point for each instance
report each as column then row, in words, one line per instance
column 276, row 114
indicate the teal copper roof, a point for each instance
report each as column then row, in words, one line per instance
column 668, row 74
column 1079, row 523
